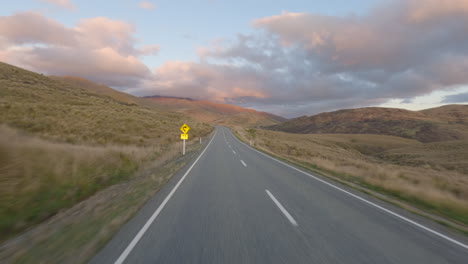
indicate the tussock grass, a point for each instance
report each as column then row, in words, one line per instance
column 74, row 235
column 38, row 178
column 57, row 111
column 360, row 159
column 60, row 143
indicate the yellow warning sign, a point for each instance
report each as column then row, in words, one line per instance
column 184, row 128
column 183, row 136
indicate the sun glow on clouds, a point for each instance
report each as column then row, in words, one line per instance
column 407, row 53
column 310, row 63
column 99, row 48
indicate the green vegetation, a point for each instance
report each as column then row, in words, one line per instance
column 251, row 132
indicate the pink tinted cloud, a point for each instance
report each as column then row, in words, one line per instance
column 420, row 11
column 389, row 34
column 146, row 5
column 31, row 27
column 98, row 48
column 201, row 81
column 311, row 63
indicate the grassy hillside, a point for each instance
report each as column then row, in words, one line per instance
column 61, row 143
column 429, row 176
column 432, row 125
column 96, row 88
column 107, row 92
column 57, row 111
column 224, row 114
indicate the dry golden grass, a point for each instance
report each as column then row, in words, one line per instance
column 38, row 178
column 59, row 144
column 74, row 235
column 360, row 159
column 60, row 112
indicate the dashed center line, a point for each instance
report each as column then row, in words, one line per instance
column 362, row 199
column 233, row 152
column 245, row 165
column 283, row 210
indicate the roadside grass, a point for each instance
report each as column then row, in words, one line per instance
column 75, row 235
column 60, row 144
column 357, row 159
column 38, row 178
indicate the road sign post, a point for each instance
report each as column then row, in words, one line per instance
column 184, row 128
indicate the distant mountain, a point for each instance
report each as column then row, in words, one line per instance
column 205, row 111
column 173, row 97
column 443, row 123
column 219, row 113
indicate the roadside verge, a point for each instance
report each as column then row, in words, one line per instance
column 75, row 235
column 365, row 188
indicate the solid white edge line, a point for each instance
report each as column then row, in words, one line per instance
column 364, row 200
column 283, row 210
column 244, row 163
column 148, row 223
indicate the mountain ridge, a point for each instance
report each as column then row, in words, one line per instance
column 449, row 122
column 219, row 113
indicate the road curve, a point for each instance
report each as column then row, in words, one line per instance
column 236, row 205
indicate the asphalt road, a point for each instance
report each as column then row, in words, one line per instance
column 236, row 205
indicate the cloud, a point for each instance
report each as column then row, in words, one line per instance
column 312, row 62
column 291, row 64
column 99, row 49
column 196, row 80
column 456, row 98
column 67, row 4
column 146, row 5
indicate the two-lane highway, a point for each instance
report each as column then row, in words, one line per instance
column 236, row 205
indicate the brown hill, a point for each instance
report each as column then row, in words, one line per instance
column 219, row 113
column 104, row 91
column 62, row 141
column 444, row 123
column 204, row 111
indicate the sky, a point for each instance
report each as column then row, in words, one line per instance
column 289, row 58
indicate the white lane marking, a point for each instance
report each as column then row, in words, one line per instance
column 283, row 210
column 148, row 223
column 225, row 137
column 365, row 201
column 233, row 152
column 245, row 165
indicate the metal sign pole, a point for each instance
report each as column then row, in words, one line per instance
column 183, row 151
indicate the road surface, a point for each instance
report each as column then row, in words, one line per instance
column 236, row 205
